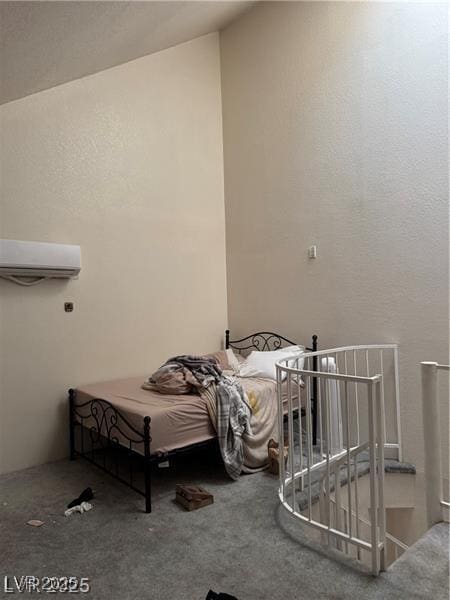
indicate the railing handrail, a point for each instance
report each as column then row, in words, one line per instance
column 349, row 348
column 326, row 374
column 435, row 364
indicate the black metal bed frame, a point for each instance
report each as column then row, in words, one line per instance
column 102, row 435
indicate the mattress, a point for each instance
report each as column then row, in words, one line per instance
column 177, row 421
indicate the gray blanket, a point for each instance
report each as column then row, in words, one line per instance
column 225, row 399
column 184, row 374
column 230, row 413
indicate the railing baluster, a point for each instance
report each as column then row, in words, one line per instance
column 358, row 549
column 436, row 506
column 380, row 463
column 291, row 448
column 373, row 483
column 300, row 433
column 309, row 442
column 339, row 405
column 356, row 400
column 281, row 469
column 397, row 404
column 337, row 496
column 345, row 526
column 349, row 474
column 327, row 427
column 322, row 508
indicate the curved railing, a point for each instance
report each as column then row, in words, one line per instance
column 356, row 388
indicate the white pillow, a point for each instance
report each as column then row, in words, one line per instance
column 233, row 360
column 262, row 364
column 298, row 351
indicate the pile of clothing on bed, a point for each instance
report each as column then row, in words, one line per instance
column 228, row 405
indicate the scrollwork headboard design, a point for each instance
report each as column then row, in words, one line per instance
column 263, row 341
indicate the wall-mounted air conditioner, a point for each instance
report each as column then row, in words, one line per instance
column 38, row 259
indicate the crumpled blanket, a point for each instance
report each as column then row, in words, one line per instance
column 230, row 413
column 226, row 401
column 184, row 374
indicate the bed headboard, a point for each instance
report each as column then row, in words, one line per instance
column 267, row 340
column 263, row 341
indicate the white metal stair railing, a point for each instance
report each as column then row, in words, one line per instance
column 394, row 547
column 350, row 429
column 437, row 508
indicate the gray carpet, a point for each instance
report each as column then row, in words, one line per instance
column 243, row 544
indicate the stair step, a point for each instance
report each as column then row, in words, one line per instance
column 399, row 492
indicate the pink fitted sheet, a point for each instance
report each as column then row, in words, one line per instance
column 177, row 421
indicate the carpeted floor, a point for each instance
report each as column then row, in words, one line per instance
column 244, row 544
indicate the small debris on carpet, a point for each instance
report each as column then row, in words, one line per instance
column 81, row 508
column 35, row 523
column 85, row 496
column 220, row 596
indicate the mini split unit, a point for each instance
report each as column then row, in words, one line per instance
column 38, row 259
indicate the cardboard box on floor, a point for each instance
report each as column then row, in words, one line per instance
column 192, row 497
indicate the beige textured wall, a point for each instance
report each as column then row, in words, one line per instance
column 335, row 134
column 128, row 164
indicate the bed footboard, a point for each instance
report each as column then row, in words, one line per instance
column 102, row 435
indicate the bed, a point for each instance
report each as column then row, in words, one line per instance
column 124, row 429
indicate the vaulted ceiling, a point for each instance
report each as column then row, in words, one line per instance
column 43, row 44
